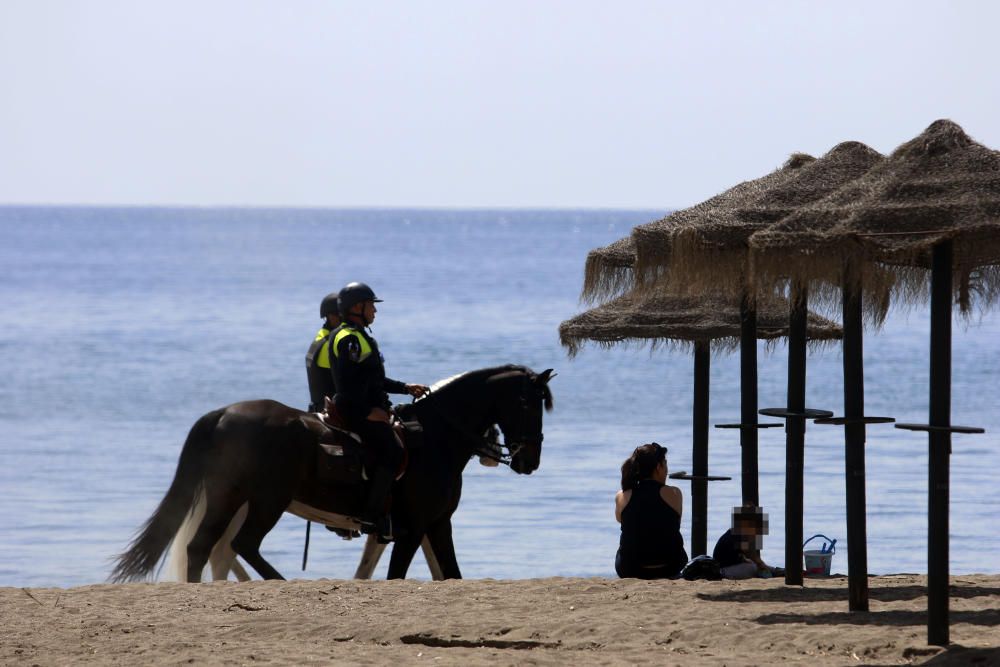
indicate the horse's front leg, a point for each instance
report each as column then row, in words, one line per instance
column 403, row 550
column 369, row 558
column 441, row 542
column 432, row 561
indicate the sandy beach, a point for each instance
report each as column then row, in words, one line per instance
column 553, row 621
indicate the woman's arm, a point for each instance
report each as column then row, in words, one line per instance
column 672, row 496
column 621, row 500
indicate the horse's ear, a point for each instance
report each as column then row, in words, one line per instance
column 542, row 380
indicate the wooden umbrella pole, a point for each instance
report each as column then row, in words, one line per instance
column 795, row 429
column 854, row 443
column 748, row 400
column 940, row 447
column 699, row 459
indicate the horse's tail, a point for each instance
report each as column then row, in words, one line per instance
column 146, row 549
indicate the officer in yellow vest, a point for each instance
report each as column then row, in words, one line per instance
column 361, row 397
column 318, row 357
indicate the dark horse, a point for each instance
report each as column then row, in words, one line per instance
column 260, row 457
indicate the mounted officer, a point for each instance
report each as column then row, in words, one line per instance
column 318, row 370
column 361, row 398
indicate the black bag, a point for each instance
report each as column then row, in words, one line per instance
column 702, row 567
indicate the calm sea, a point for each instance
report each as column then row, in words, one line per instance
column 121, row 326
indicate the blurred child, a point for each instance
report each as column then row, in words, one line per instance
column 738, row 550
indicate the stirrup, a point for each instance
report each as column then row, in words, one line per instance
column 345, row 533
column 381, row 528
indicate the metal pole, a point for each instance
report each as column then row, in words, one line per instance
column 940, row 447
column 795, row 429
column 748, row 401
column 699, row 458
column 854, row 444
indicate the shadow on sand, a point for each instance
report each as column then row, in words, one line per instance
column 802, row 594
column 953, row 655
column 901, row 617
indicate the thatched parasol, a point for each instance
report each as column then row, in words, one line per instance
column 934, row 203
column 716, row 253
column 703, row 322
column 657, row 320
column 608, row 270
column 940, row 186
column 711, row 253
column 654, row 242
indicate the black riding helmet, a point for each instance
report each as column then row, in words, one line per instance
column 353, row 294
column 329, row 305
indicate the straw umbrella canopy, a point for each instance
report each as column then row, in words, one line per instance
column 711, row 252
column 662, row 320
column 609, row 270
column 940, row 186
column 684, row 321
column 934, row 203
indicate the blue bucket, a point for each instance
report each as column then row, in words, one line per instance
column 819, row 561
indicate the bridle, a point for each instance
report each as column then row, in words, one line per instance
column 489, row 445
column 515, row 444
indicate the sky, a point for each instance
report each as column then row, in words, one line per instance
column 466, row 103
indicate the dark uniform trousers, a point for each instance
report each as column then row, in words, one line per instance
column 380, row 437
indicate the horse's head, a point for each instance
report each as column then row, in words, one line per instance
column 520, row 396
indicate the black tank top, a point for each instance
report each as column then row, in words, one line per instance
column 651, row 530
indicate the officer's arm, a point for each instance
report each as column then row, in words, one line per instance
column 395, row 386
column 414, row 390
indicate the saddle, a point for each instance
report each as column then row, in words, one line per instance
column 409, row 435
column 330, row 415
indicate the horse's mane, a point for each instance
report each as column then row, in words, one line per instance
column 460, row 380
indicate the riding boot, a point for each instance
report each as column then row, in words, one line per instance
column 375, row 519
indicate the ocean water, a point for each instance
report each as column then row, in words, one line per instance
column 121, row 326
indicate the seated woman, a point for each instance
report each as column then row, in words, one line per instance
column 738, row 550
column 651, row 546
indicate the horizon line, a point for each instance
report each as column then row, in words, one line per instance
column 296, row 207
